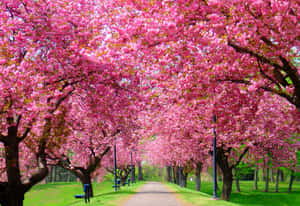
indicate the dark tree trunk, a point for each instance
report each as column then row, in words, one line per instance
column 13, row 197
column 184, row 178
column 227, row 184
column 169, row 175
column 14, row 190
column 176, row 175
column 198, row 176
column 223, row 162
column 267, row 179
column 86, row 179
column 281, row 176
column 272, row 175
column 140, row 172
column 255, row 178
column 237, row 179
column 277, row 180
column 133, row 174
column 291, row 181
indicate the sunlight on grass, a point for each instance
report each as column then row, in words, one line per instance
column 62, row 194
column 247, row 196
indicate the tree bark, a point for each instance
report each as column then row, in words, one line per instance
column 14, row 190
column 198, row 176
column 184, row 178
column 237, row 179
column 140, row 172
column 13, row 197
column 86, row 179
column 277, row 180
column 272, row 175
column 267, row 179
column 281, row 176
column 169, row 176
column 176, row 175
column 291, row 181
column 227, row 184
column 255, row 178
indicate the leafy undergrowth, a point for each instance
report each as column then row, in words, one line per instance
column 62, row 194
column 247, row 196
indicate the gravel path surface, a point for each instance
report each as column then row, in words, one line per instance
column 153, row 194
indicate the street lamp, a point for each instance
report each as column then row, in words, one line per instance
column 132, row 175
column 214, row 159
column 115, row 166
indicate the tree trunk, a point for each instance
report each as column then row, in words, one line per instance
column 198, row 176
column 176, row 175
column 86, row 179
column 133, row 174
column 272, row 175
column 291, row 181
column 184, row 177
column 140, row 172
column 237, row 179
column 277, row 180
column 169, row 178
column 14, row 190
column 267, row 179
column 13, row 197
column 281, row 176
column 227, row 184
column 255, row 178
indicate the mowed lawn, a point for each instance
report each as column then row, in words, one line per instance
column 247, row 196
column 62, row 194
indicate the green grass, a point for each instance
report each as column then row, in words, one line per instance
column 62, row 194
column 247, row 196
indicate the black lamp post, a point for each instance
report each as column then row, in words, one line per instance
column 132, row 171
column 214, row 159
column 115, row 166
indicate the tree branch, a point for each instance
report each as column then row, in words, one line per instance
column 265, row 75
column 24, row 134
column 266, row 88
column 241, row 157
column 92, row 167
column 253, row 54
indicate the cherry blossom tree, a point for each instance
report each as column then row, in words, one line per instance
column 41, row 63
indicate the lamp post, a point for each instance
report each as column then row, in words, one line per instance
column 214, row 159
column 132, row 172
column 115, row 166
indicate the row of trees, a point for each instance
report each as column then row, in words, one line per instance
column 77, row 76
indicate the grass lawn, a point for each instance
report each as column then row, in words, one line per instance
column 62, row 194
column 247, row 196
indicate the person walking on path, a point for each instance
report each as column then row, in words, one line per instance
column 153, row 194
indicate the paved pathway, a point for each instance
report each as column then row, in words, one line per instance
column 153, row 194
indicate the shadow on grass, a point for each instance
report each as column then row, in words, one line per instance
column 103, row 195
column 265, row 198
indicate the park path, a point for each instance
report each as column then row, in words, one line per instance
column 153, row 194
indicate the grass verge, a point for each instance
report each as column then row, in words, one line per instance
column 62, row 194
column 247, row 196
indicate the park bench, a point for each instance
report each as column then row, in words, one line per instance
column 86, row 195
